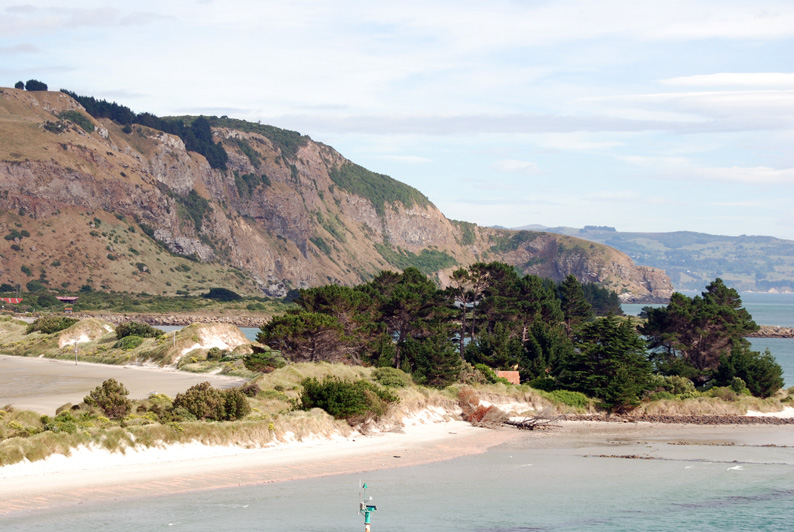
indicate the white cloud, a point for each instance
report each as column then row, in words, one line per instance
column 680, row 168
column 520, row 167
column 755, row 79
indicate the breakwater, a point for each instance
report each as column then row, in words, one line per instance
column 686, row 419
column 773, row 331
column 179, row 319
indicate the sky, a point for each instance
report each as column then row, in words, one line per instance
column 644, row 115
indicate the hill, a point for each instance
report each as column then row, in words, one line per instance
column 93, row 202
column 692, row 260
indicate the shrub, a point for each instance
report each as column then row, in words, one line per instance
column 222, row 294
column 574, row 399
column 133, row 328
column 546, row 384
column 19, row 85
column 236, row 404
column 202, row 401
column 264, row 361
column 78, row 118
column 393, row 377
column 128, row 343
column 355, row 401
column 214, row 353
column 111, row 398
column 251, row 389
column 50, row 324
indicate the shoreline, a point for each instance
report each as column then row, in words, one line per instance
column 95, row 476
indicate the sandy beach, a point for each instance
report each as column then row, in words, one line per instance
column 44, row 384
column 96, row 475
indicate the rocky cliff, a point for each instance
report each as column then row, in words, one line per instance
column 89, row 202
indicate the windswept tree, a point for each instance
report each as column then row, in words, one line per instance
column 691, row 335
column 306, row 337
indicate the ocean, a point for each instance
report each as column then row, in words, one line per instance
column 679, row 479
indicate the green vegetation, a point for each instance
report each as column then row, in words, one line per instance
column 378, row 188
column 505, row 244
column 204, row 402
column 35, row 85
column 467, row 229
column 111, row 398
column 356, row 401
column 248, row 151
column 427, row 261
column 193, row 207
column 134, row 328
column 78, row 118
column 50, row 324
column 248, row 183
column 222, row 294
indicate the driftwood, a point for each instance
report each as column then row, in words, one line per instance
column 541, row 420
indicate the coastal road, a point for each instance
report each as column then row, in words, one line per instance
column 43, row 384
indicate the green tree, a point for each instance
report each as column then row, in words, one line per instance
column 306, row 337
column 35, row 85
column 762, row 375
column 574, row 305
column 691, row 335
column 609, row 363
column 435, row 360
column 19, row 85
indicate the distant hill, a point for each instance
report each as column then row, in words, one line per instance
column 692, row 260
column 94, row 196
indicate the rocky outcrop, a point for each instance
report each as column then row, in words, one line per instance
column 281, row 215
column 773, row 331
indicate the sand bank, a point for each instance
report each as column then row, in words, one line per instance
column 96, row 475
column 44, row 384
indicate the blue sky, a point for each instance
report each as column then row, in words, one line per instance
column 644, row 115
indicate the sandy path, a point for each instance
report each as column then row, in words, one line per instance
column 43, row 384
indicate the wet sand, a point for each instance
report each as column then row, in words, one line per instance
column 43, row 384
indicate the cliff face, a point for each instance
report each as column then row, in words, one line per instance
column 124, row 210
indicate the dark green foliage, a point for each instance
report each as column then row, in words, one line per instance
column 610, row 363
column 264, row 361
column 378, row 188
column 305, row 336
column 204, row 402
column 247, row 183
column 602, row 300
column 133, row 328
column 78, row 118
column 111, row 398
column 691, row 335
column 354, row 401
column 427, row 261
column 506, row 244
column 55, row 127
column 761, row 374
column 50, row 324
column 567, row 397
column 248, row 151
column 35, row 85
column 222, row 294
column 5, row 287
column 193, row 207
column 467, row 229
column 148, row 230
column 235, row 404
column 14, row 234
column 197, row 136
column 47, row 300
column 322, row 245
column 393, row 377
column 128, row 343
column 35, row 286
column 19, row 85
column 215, row 354
column 434, row 359
column 287, row 141
column 574, row 305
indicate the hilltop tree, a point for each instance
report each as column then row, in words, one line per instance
column 19, row 85
column 35, row 85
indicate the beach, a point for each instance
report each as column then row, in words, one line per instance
column 45, row 384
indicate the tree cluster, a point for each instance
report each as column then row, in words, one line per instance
column 490, row 315
column 197, row 135
column 703, row 339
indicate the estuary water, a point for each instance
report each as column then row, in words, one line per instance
column 638, row 478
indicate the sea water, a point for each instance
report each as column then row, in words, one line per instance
column 546, row 482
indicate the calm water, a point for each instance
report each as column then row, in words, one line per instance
column 549, row 482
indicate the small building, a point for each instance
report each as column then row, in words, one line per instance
column 511, row 376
